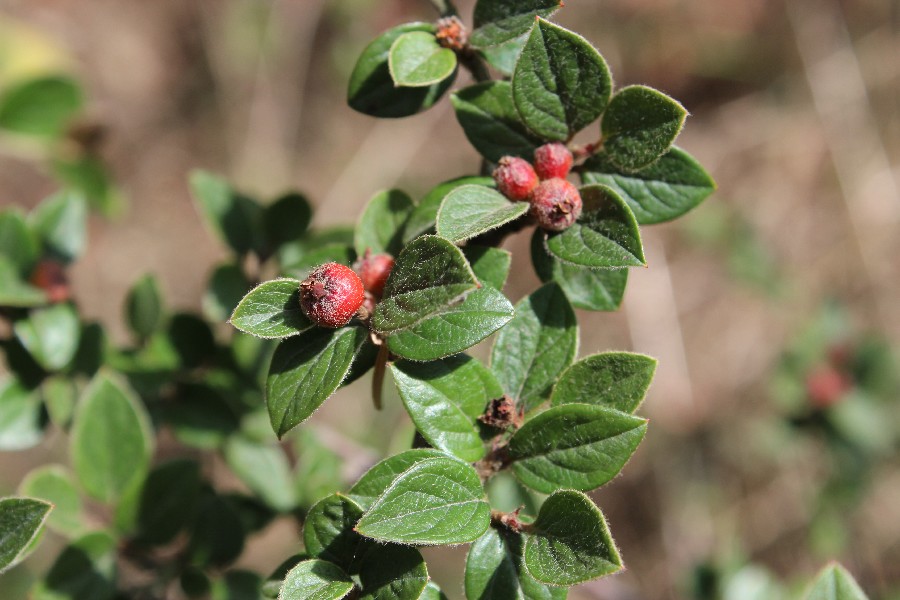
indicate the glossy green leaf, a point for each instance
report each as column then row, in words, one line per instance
column 372, row 90
column 570, row 543
column 640, row 125
column 21, row 519
column 328, row 532
column 377, row 479
column 86, row 568
column 21, row 422
column 392, row 572
column 51, row 335
column 500, row 21
column 42, row 106
column 272, row 310
column 494, row 570
column 606, row 235
column 144, row 307
column 110, row 416
column 575, row 446
column 454, row 329
column 535, row 347
column 315, row 580
column 218, row 535
column 435, row 501
column 429, row 276
column 489, row 119
column 272, row 585
column 264, row 469
column 14, row 291
column 586, row 288
column 18, row 244
column 423, row 216
column 503, row 57
column 490, row 265
column 237, row 584
column 614, row 379
column 227, row 286
column 416, row 59
column 432, row 592
column 835, row 583
column 561, row 83
column 445, row 398
column 286, row 219
column 167, row 501
column 60, row 222
column 301, row 267
column 471, row 210
column 380, row 227
column 306, row 370
column 663, row 191
column 235, row 218
column 54, row 484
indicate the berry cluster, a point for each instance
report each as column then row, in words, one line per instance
column 555, row 202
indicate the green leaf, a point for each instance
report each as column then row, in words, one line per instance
column 20, row 521
column 54, row 484
column 60, row 222
column 218, row 535
column 191, row 338
column 494, row 570
column 306, row 370
column 301, row 267
column 432, row 592
column 110, row 416
column 490, row 265
column 454, row 329
column 372, row 90
column 15, row 292
column 435, row 501
column 489, row 119
column 315, row 580
column 18, row 244
column 534, row 348
column 227, row 286
column 614, row 379
column 272, row 310
column 471, row 210
column 380, row 227
column 422, row 218
column 89, row 175
column 272, row 585
column 376, row 480
column 201, row 418
column 328, row 532
column 50, row 335
column 42, row 106
column 167, row 501
column 835, row 583
column 238, row 584
column 21, row 422
column 318, row 470
column 561, row 83
column 588, row 289
column 416, row 59
column 264, row 469
column 663, row 191
column 429, row 275
column 504, row 57
column 574, row 446
column 500, row 21
column 391, row 572
column 235, row 218
column 571, row 542
column 286, row 219
column 445, row 398
column 59, row 394
column 86, row 568
column 606, row 236
column 640, row 125
column 144, row 307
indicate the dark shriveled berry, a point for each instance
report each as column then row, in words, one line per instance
column 552, row 160
column 555, row 204
column 373, row 270
column 331, row 295
column 515, row 178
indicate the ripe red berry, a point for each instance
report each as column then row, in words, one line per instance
column 373, row 270
column 515, row 178
column 826, row 386
column 552, row 160
column 555, row 204
column 50, row 276
column 331, row 295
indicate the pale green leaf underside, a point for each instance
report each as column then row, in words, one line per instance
column 272, row 310
column 417, row 60
column 835, row 583
column 315, row 580
column 471, row 210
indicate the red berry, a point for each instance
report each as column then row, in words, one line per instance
column 50, row 276
column 331, row 295
column 826, row 386
column 552, row 160
column 374, row 269
column 555, row 204
column 515, row 178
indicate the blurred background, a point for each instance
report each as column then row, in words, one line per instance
column 773, row 308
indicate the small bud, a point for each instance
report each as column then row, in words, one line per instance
column 452, row 34
column 555, row 204
column 552, row 160
column 331, row 295
column 373, row 270
column 515, row 178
